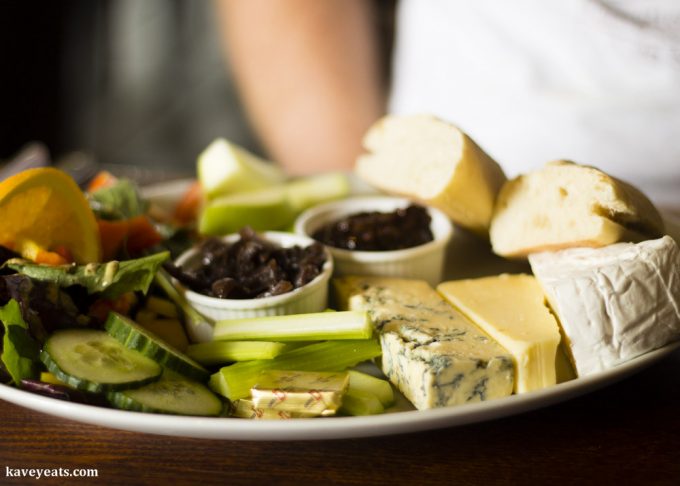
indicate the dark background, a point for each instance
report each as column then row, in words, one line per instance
column 129, row 82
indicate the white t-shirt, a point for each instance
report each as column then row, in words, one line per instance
column 594, row 81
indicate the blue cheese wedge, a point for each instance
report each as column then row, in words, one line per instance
column 431, row 352
column 614, row 303
column 512, row 310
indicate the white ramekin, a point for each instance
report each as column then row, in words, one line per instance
column 312, row 297
column 424, row 262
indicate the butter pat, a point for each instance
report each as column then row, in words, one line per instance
column 245, row 408
column 512, row 310
column 614, row 303
column 433, row 354
column 301, row 392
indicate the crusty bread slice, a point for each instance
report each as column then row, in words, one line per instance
column 433, row 162
column 567, row 205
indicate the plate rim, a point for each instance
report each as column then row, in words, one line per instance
column 330, row 428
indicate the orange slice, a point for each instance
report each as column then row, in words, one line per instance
column 46, row 207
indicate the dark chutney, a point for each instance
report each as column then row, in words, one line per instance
column 377, row 231
column 249, row 268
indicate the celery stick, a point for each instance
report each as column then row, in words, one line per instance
column 293, row 345
column 220, row 352
column 197, row 326
column 235, row 381
column 297, row 327
column 359, row 402
column 366, row 383
column 312, row 190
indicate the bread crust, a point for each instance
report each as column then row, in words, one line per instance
column 535, row 212
column 470, row 179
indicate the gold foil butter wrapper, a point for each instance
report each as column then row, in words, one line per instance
column 245, row 408
column 304, row 392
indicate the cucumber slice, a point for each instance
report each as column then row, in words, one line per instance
column 134, row 336
column 172, row 394
column 91, row 360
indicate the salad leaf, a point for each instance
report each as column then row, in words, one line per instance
column 61, row 392
column 20, row 352
column 44, row 306
column 119, row 201
column 111, row 279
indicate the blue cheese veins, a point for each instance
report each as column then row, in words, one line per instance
column 432, row 353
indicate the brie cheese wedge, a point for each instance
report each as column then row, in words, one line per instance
column 614, row 303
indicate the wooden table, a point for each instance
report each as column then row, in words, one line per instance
column 628, row 433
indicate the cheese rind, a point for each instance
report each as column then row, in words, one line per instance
column 431, row 352
column 614, row 303
column 512, row 310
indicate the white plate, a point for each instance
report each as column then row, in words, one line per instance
column 466, row 258
column 329, row 428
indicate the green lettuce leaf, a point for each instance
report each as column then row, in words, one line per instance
column 20, row 352
column 111, row 279
column 120, row 201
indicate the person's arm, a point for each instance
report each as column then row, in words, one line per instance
column 309, row 74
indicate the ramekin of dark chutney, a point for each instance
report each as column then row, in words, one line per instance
column 250, row 267
column 378, row 231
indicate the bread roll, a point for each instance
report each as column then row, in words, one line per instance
column 433, row 162
column 568, row 205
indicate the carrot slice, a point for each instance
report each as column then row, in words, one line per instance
column 186, row 210
column 64, row 252
column 49, row 258
column 30, row 250
column 134, row 234
column 112, row 235
column 141, row 235
column 103, row 179
column 100, row 308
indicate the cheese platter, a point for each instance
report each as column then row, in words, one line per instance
column 332, row 307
